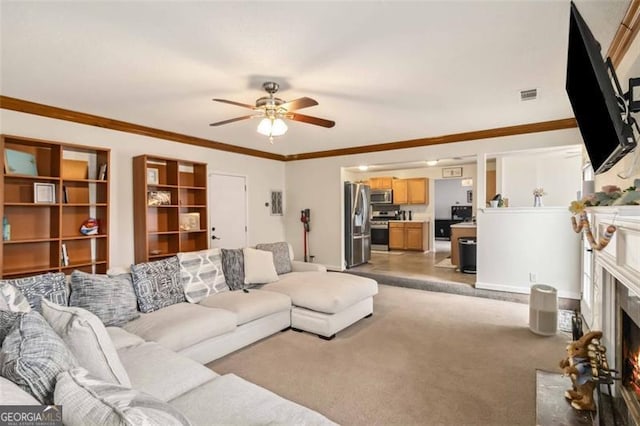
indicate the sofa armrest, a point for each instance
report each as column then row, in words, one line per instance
column 298, row 266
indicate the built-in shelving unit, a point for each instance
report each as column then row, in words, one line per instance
column 170, row 207
column 44, row 226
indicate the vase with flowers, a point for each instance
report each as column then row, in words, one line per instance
column 537, row 197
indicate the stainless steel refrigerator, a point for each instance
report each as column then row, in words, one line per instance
column 357, row 224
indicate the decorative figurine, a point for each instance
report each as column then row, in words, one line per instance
column 578, row 366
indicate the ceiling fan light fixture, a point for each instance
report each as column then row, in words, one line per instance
column 264, row 128
column 432, row 162
column 278, row 127
column 363, row 168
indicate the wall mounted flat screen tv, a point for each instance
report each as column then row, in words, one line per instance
column 590, row 86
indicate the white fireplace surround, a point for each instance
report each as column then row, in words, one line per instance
column 619, row 261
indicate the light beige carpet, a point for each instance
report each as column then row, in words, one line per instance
column 423, row 358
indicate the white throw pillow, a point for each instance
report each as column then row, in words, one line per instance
column 87, row 338
column 258, row 266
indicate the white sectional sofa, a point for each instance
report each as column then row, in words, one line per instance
column 163, row 351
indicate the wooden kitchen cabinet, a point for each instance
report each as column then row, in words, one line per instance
column 407, row 236
column 410, row 191
column 380, row 182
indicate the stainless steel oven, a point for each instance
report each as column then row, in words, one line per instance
column 380, row 235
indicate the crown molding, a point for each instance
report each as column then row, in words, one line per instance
column 28, row 107
column 627, row 32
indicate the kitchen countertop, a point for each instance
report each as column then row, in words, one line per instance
column 410, row 221
column 464, row 225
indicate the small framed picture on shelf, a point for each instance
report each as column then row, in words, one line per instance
column 450, row 172
column 19, row 163
column 158, row 198
column 190, row 221
column 153, row 176
column 44, row 193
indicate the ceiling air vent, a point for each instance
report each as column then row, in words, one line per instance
column 528, row 95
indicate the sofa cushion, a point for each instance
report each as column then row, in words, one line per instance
column 233, row 267
column 12, row 394
column 111, row 299
column 281, row 256
column 182, row 325
column 249, row 306
column 157, row 284
column 201, row 274
column 258, row 266
column 161, row 372
column 238, row 402
column 33, row 354
column 88, row 340
column 90, row 401
column 121, row 338
column 12, row 299
column 327, row 292
column 51, row 286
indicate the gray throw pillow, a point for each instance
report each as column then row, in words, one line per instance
column 111, row 299
column 52, row 286
column 90, row 401
column 7, row 321
column 12, row 299
column 281, row 258
column 233, row 268
column 33, row 355
column 157, row 284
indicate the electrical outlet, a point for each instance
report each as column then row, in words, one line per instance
column 532, row 277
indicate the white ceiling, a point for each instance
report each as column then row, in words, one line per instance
column 384, row 71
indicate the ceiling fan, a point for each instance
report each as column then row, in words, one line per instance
column 273, row 110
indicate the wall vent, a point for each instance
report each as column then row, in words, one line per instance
column 528, row 95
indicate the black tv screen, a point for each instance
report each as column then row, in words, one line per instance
column 607, row 138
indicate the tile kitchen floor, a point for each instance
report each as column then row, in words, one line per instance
column 418, row 265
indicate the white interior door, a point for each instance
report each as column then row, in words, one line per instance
column 228, row 210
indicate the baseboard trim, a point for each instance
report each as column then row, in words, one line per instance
column 523, row 290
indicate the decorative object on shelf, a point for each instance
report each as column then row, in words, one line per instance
column 102, row 172
column 537, row 197
column 44, row 193
column 65, row 255
column 159, row 198
column 276, row 203
column 6, row 229
column 155, row 252
column 578, row 365
column 153, row 176
column 449, row 172
column 19, row 163
column 89, row 227
column 65, row 195
column 75, row 169
column 190, row 221
column 469, row 196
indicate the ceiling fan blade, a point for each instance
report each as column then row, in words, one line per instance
column 219, row 123
column 299, row 104
column 235, row 103
column 311, row 120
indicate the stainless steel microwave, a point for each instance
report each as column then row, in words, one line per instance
column 381, row 196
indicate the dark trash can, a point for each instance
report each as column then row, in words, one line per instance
column 467, row 250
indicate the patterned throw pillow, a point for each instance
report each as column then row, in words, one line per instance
column 111, row 299
column 88, row 340
column 281, row 258
column 7, row 321
column 52, row 286
column 12, row 299
column 89, row 401
column 33, row 355
column 233, row 267
column 157, row 284
column 201, row 273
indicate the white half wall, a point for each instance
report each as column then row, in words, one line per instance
column 263, row 175
column 520, row 247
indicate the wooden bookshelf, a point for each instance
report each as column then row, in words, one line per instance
column 164, row 191
column 39, row 230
